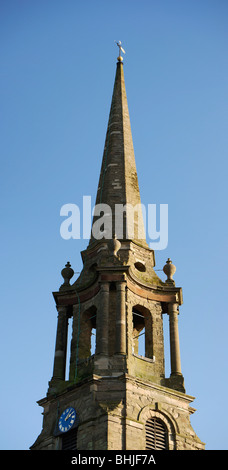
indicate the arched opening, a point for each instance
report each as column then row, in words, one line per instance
column 69, row 440
column 88, row 333
column 68, row 350
column 93, row 341
column 142, row 341
column 138, row 332
column 156, row 434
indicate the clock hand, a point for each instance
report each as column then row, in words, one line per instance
column 69, row 415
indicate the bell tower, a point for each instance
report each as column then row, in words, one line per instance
column 117, row 396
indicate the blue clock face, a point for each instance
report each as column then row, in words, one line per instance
column 67, row 419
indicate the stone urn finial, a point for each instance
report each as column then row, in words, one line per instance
column 114, row 246
column 169, row 269
column 67, row 274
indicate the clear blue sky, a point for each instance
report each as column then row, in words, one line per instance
column 57, row 72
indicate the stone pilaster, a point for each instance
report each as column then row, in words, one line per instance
column 120, row 318
column 102, row 320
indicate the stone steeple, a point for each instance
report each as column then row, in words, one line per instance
column 118, row 183
column 116, row 396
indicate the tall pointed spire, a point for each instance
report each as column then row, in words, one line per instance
column 118, row 183
column 117, row 300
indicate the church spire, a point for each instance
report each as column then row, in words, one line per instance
column 118, row 183
column 116, row 395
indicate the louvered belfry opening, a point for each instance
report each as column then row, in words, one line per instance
column 69, row 440
column 156, row 435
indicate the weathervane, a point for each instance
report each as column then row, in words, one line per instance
column 119, row 44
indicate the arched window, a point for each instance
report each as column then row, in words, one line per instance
column 156, row 434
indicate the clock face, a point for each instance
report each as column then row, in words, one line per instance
column 67, row 419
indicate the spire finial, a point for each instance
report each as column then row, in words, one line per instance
column 119, row 44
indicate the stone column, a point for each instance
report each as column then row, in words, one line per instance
column 174, row 339
column 120, row 318
column 102, row 320
column 61, row 344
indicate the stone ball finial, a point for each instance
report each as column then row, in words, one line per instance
column 169, row 269
column 67, row 274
